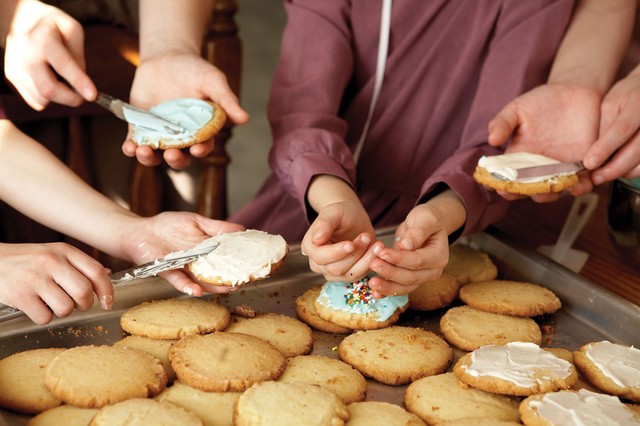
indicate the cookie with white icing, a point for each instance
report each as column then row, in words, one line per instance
column 571, row 407
column 352, row 305
column 517, row 368
column 201, row 120
column 242, row 257
column 611, row 367
column 505, row 166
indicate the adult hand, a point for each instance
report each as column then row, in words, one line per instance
column 44, row 280
column 146, row 239
column 179, row 75
column 419, row 254
column 340, row 242
column 619, row 139
column 559, row 121
column 41, row 42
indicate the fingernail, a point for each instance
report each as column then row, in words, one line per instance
column 377, row 250
column 590, row 162
column 406, row 244
column 366, row 239
column 597, row 179
column 187, row 290
column 318, row 235
column 87, row 93
column 348, row 248
column 106, row 302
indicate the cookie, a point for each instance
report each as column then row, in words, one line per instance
column 222, row 361
column 510, row 298
column 518, row 368
column 306, row 311
column 505, row 166
column 175, row 318
column 352, row 305
column 441, row 398
column 468, row 265
column 242, row 257
column 571, row 407
column 201, row 120
column 95, row 376
column 158, row 348
column 468, row 328
column 434, row 294
column 64, row 415
column 328, row 373
column 276, row 403
column 22, row 386
column 288, row 335
column 567, row 355
column 376, row 413
column 479, row 421
column 396, row 355
column 143, row 411
column 214, row 408
column 611, row 367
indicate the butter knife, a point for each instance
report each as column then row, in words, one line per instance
column 171, row 261
column 135, row 116
column 541, row 171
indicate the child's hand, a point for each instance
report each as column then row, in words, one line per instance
column 44, row 280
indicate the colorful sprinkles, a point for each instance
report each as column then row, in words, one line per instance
column 359, row 293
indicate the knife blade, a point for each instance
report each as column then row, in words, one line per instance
column 129, row 113
column 525, row 173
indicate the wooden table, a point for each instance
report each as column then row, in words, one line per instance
column 535, row 224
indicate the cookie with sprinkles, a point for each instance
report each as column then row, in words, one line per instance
column 352, row 305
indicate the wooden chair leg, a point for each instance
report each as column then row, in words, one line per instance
column 147, row 190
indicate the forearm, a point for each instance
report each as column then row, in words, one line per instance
column 452, row 211
column 594, row 44
column 172, row 26
column 36, row 183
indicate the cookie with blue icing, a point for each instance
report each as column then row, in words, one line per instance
column 352, row 305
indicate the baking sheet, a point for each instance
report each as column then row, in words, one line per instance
column 589, row 312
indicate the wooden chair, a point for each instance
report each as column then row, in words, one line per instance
column 111, row 56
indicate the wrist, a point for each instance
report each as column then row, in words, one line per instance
column 450, row 209
column 327, row 189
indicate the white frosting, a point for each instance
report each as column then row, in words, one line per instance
column 617, row 362
column 189, row 113
column 521, row 363
column 583, row 408
column 505, row 165
column 241, row 257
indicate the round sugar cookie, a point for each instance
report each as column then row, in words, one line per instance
column 306, row 311
column 175, row 318
column 510, row 298
column 571, row 407
column 352, row 305
column 331, row 374
column 193, row 121
column 242, row 257
column 468, row 265
column 468, row 328
column 479, row 421
column 611, row 367
column 284, row 404
column 214, row 408
column 506, row 164
column 377, row 413
column 95, row 376
column 396, row 355
column 435, row 294
column 441, row 398
column 567, row 355
column 517, row 368
column 157, row 348
column 64, row 415
column 288, row 335
column 142, row 411
column 222, row 361
column 22, row 386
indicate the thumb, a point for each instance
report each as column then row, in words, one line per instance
column 503, row 125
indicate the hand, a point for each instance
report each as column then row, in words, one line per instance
column 619, row 139
column 339, row 242
column 179, row 75
column 419, row 254
column 44, row 280
column 146, row 239
column 559, row 121
column 43, row 39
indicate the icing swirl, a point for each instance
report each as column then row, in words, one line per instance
column 505, row 165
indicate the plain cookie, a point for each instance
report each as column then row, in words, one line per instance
column 376, row 413
column 142, row 411
column 468, row 265
column 158, row 348
column 510, row 298
column 434, row 294
column 64, row 415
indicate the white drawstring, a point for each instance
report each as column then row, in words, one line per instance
column 383, row 48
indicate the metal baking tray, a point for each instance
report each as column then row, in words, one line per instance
column 588, row 313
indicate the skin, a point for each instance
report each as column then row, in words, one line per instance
column 341, row 241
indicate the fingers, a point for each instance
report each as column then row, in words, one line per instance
column 147, row 156
column 182, row 282
column 352, row 267
column 621, row 164
column 176, row 159
column 624, row 126
column 381, row 287
column 503, row 125
column 201, row 150
column 218, row 90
